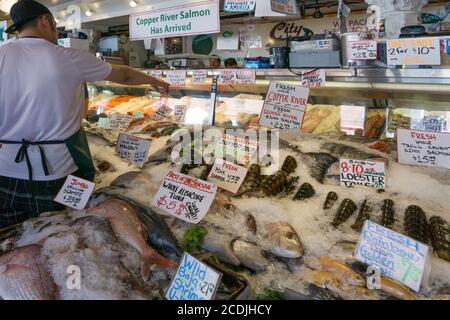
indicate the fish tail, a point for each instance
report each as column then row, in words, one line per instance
column 151, row 257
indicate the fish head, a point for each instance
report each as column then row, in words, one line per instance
column 285, row 242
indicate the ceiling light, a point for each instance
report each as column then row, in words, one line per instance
column 133, row 3
column 88, row 13
column 5, row 5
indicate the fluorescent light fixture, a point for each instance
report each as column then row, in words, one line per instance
column 88, row 13
column 133, row 3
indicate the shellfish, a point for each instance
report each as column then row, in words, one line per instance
column 330, row 200
column 415, row 223
column 363, row 215
column 345, row 211
column 289, row 165
column 439, row 235
column 388, row 213
column 305, row 191
column 272, row 185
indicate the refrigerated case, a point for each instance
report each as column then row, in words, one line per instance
column 371, row 103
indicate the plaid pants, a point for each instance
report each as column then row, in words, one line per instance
column 17, row 203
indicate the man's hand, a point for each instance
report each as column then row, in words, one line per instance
column 129, row 76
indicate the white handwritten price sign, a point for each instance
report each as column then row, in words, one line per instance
column 423, row 148
column 414, row 51
column 176, row 77
column 199, row 76
column 245, row 76
column 118, row 121
column 359, row 172
column 314, row 78
column 241, row 149
column 179, row 113
column 227, row 76
column 435, row 124
column 75, row 192
column 227, row 175
column 239, row 5
column 132, row 149
column 156, row 73
column 194, row 280
column 284, row 107
column 185, row 197
column 362, row 50
column 393, row 254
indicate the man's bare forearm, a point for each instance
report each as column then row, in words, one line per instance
column 130, row 76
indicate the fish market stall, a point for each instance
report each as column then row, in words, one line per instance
column 289, row 231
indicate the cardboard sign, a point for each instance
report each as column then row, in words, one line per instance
column 227, row 175
column 176, row 77
column 75, row 192
column 314, row 78
column 132, row 149
column 118, row 121
column 362, row 50
column 284, row 107
column 172, row 21
column 362, row 172
column 156, row 73
column 179, row 113
column 239, row 5
column 240, row 149
column 199, row 76
column 414, row 51
column 393, row 254
column 185, row 197
column 227, row 76
column 194, row 280
column 423, row 148
column 245, row 76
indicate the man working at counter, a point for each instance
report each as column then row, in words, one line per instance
column 41, row 99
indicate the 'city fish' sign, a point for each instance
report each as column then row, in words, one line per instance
column 182, row 20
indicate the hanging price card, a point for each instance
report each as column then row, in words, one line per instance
column 185, row 197
column 227, row 76
column 414, row 51
column 366, row 173
column 245, row 76
column 362, row 50
column 194, row 280
column 199, row 76
column 314, row 78
column 75, row 192
column 132, row 149
column 176, row 77
column 423, row 148
column 118, row 121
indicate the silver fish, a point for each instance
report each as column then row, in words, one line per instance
column 284, row 240
column 249, row 254
column 24, row 275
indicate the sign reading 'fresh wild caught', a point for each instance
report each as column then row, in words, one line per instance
column 195, row 18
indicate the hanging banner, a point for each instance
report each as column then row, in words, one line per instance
column 171, row 21
column 285, row 6
column 239, row 5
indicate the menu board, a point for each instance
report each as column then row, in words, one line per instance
column 284, row 107
column 132, row 149
column 185, row 197
column 414, row 51
column 227, row 175
column 362, row 50
column 393, row 254
column 194, row 280
column 423, row 148
column 75, row 192
column 359, row 172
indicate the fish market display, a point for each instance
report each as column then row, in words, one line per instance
column 415, row 223
column 363, row 215
column 330, row 200
column 440, row 237
column 306, row 191
column 388, row 212
column 344, row 212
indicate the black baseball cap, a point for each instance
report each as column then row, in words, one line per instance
column 24, row 11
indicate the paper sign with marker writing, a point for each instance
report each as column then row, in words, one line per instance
column 393, row 254
column 194, row 280
column 118, row 121
column 156, row 73
column 362, row 50
column 362, row 172
column 423, row 148
column 227, row 76
column 75, row 192
column 240, row 149
column 132, row 149
column 284, row 107
column 199, row 76
column 245, row 76
column 185, row 197
column 179, row 113
column 414, row 51
column 227, row 175
column 314, row 78
column 239, row 5
column 176, row 77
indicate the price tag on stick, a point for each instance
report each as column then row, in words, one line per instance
column 75, row 192
column 194, row 280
